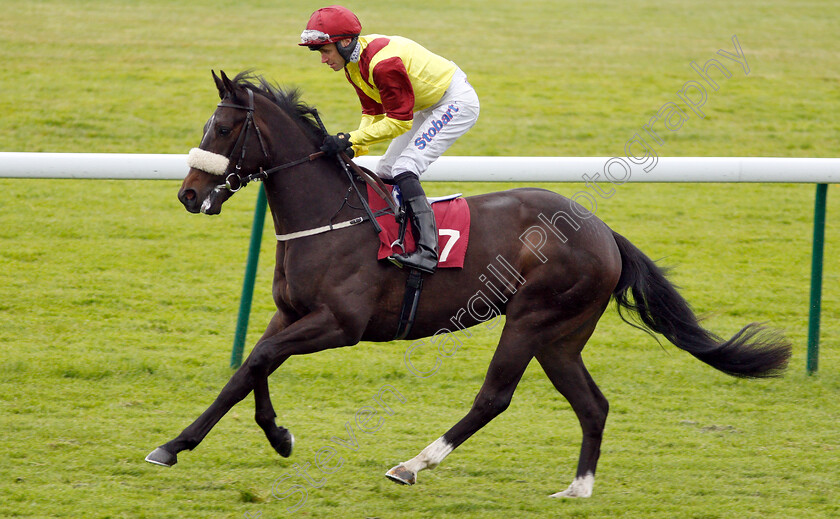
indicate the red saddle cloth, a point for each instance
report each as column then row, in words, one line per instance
column 453, row 225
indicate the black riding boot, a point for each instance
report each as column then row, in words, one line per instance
column 425, row 256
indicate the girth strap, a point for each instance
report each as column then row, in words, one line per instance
column 408, row 313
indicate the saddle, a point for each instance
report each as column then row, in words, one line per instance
column 452, row 217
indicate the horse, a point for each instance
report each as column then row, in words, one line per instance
column 555, row 267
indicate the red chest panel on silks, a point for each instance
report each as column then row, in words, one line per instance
column 452, row 216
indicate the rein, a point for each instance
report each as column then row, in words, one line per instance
column 235, row 180
column 370, row 179
column 374, row 182
column 262, row 174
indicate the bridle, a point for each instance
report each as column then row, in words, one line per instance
column 235, row 180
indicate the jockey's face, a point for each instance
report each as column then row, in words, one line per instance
column 330, row 56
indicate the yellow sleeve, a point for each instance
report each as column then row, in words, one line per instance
column 363, row 149
column 374, row 129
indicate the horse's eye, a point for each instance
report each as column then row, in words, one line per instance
column 224, row 130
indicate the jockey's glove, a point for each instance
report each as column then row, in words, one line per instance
column 335, row 144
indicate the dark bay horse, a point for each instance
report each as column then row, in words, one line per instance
column 538, row 258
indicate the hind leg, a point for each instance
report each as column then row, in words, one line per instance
column 506, row 369
column 567, row 372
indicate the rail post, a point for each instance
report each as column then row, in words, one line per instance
column 250, row 279
column 816, row 280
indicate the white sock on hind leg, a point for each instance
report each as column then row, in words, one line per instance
column 580, row 487
column 429, row 457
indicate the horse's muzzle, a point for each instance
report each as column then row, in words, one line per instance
column 189, row 198
column 209, row 204
column 202, row 193
column 212, row 204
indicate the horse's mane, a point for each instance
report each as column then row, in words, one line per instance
column 287, row 99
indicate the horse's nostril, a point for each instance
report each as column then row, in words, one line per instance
column 189, row 198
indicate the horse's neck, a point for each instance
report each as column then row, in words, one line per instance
column 308, row 196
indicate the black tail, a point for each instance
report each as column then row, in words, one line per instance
column 753, row 352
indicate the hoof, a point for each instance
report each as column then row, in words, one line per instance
column 566, row 494
column 580, row 487
column 282, row 440
column 162, row 457
column 401, row 475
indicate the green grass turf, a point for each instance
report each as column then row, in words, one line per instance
column 117, row 307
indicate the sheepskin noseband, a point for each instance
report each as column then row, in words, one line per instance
column 208, row 161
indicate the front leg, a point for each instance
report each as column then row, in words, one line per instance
column 317, row 331
column 279, row 437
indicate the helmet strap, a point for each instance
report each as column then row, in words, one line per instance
column 351, row 52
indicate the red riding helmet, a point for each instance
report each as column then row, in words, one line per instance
column 329, row 25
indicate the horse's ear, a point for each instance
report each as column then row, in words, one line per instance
column 230, row 88
column 219, row 84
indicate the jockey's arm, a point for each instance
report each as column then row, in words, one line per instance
column 397, row 95
column 374, row 129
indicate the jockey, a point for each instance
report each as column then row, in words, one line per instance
column 418, row 100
